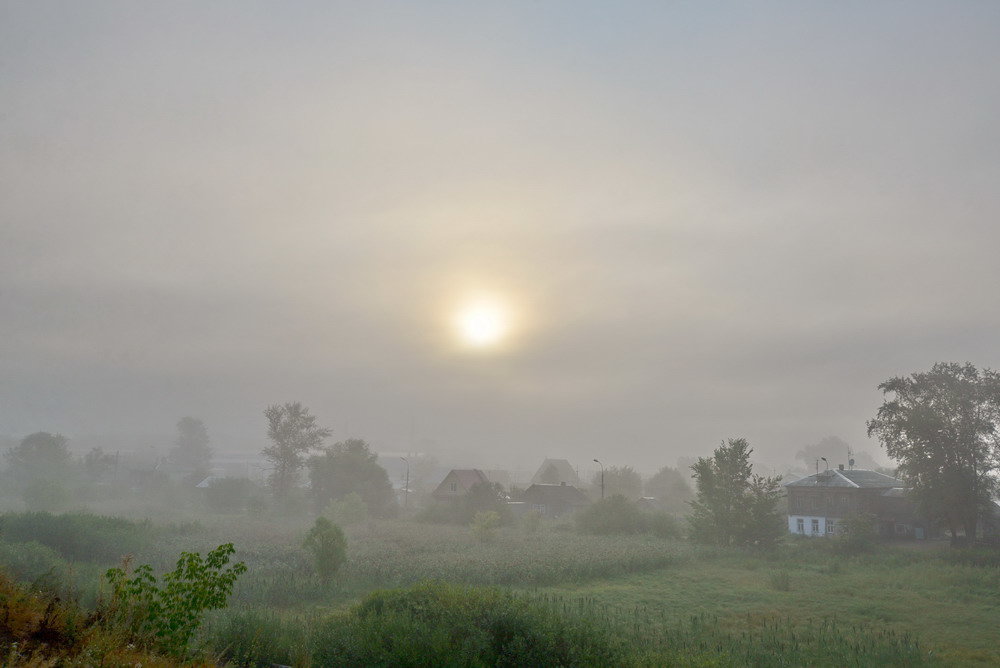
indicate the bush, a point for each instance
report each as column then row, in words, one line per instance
column 613, row 515
column 328, row 546
column 857, row 533
column 78, row 536
column 32, row 560
column 435, row 624
column 165, row 617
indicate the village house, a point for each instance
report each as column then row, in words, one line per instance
column 819, row 502
column 554, row 500
column 554, row 472
column 457, row 484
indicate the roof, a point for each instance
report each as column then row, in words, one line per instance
column 545, row 493
column 562, row 470
column 895, row 493
column 856, row 478
column 469, row 477
column 466, row 479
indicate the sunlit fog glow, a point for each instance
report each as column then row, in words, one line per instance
column 482, row 324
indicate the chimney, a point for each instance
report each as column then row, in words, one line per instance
column 840, row 466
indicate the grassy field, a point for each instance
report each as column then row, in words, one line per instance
column 804, row 601
column 952, row 610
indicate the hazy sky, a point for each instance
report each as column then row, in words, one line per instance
column 712, row 220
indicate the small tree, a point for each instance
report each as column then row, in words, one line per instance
column 733, row 505
column 350, row 467
column 293, row 433
column 326, row 542
column 191, row 451
column 857, row 533
column 166, row 616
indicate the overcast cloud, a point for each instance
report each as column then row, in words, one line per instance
column 715, row 220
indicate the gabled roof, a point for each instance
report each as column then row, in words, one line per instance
column 466, row 478
column 551, row 494
column 555, row 471
column 853, row 479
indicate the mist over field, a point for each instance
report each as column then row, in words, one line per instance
column 636, row 327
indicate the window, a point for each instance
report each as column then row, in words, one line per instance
column 901, row 529
column 830, row 526
column 815, row 526
column 800, row 525
column 817, row 502
column 453, row 486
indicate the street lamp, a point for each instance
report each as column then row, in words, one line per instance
column 602, row 478
column 406, row 488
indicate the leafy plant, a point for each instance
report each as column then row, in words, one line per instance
column 328, row 546
column 165, row 616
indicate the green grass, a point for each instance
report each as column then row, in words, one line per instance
column 952, row 610
column 893, row 604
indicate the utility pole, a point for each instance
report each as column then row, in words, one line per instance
column 406, row 486
column 602, row 478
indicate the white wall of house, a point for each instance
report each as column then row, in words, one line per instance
column 809, row 525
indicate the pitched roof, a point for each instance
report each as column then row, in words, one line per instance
column 465, row 478
column 849, row 479
column 545, row 493
column 554, row 471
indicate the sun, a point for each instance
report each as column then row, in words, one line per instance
column 482, row 324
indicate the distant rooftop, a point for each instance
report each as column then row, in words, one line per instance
column 850, row 479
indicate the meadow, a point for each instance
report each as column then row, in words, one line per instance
column 658, row 601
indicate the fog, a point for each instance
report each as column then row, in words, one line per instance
column 712, row 221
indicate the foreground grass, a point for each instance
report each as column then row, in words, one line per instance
column 666, row 599
column 953, row 610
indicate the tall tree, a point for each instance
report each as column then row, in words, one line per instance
column 191, row 451
column 671, row 488
column 733, row 505
column 623, row 480
column 39, row 455
column 941, row 426
column 351, row 466
column 293, row 433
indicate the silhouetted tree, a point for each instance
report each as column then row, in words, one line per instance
column 351, row 467
column 293, row 433
column 941, row 426
column 835, row 450
column 734, row 506
column 671, row 488
column 623, row 480
column 39, row 455
column 191, row 451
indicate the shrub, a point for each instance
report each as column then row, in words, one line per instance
column 328, row 546
column 434, row 624
column 166, row 616
column 857, row 533
column 78, row 536
column 613, row 515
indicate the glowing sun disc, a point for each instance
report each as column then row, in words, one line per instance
column 482, row 324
